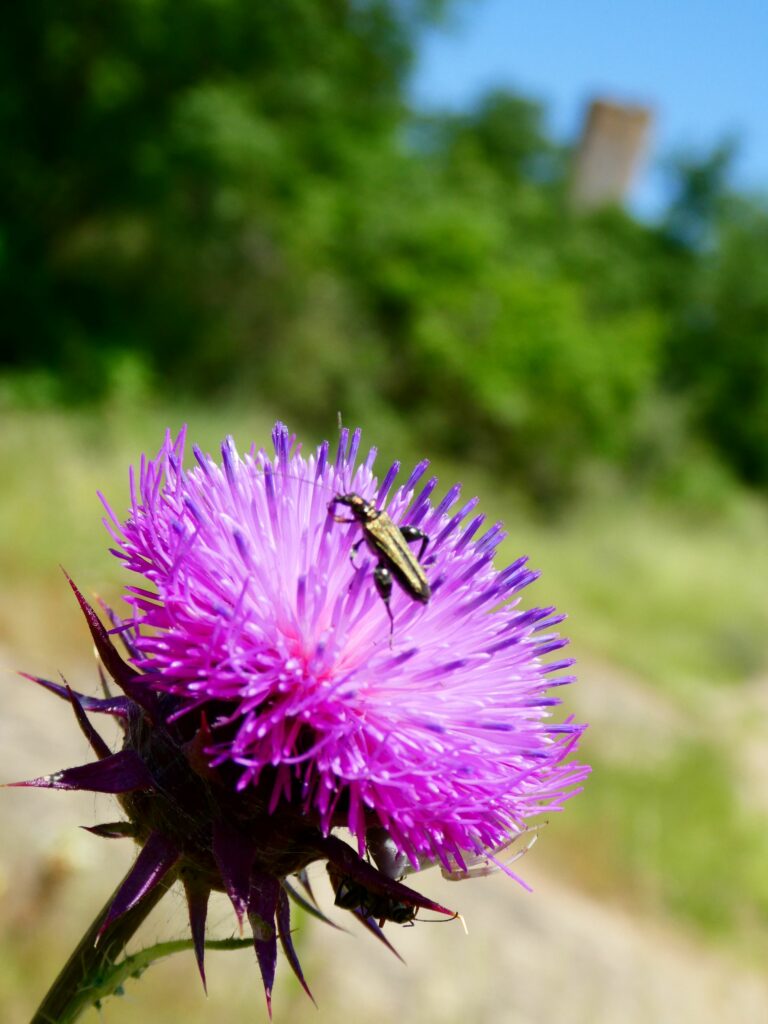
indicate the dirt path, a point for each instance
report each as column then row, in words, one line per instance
column 551, row 956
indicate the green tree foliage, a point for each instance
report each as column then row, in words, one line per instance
column 718, row 356
column 162, row 160
column 519, row 333
column 236, row 195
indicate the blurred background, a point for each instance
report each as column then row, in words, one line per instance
column 528, row 241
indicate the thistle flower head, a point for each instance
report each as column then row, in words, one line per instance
column 443, row 738
column 261, row 649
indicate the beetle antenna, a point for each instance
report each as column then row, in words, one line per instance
column 445, row 920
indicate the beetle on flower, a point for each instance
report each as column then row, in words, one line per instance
column 263, row 706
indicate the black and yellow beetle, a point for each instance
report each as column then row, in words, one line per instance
column 388, row 543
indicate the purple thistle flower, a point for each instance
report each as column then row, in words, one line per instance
column 262, row 654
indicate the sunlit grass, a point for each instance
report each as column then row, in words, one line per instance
column 676, row 599
column 669, row 836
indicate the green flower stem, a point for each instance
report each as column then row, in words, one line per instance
column 88, row 975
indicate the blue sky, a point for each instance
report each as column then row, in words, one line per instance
column 702, row 66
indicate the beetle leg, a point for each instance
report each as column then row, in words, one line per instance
column 341, row 519
column 383, row 580
column 354, row 550
column 412, row 533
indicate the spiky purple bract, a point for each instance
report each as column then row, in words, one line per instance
column 257, row 615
